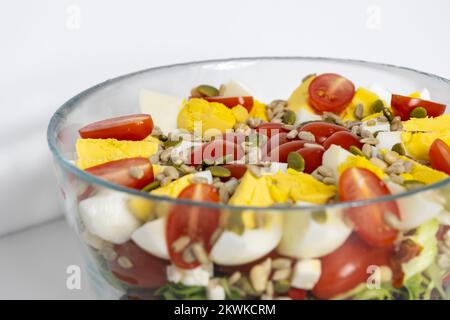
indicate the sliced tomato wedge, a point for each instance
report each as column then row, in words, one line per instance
column 312, row 156
column 330, row 92
column 197, row 223
column 439, row 155
column 215, row 150
column 133, row 127
column 362, row 184
column 346, row 267
column 121, row 172
column 237, row 170
column 270, row 129
column 146, row 271
column 403, row 105
column 280, row 153
column 322, row 130
column 344, row 139
column 230, row 102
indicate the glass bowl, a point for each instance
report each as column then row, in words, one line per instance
column 124, row 270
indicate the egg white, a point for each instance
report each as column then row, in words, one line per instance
column 151, row 237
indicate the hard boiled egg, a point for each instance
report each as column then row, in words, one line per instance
column 307, row 237
column 304, row 115
column 106, row 215
column 232, row 249
column 333, row 157
column 151, row 237
column 235, row 89
column 387, row 140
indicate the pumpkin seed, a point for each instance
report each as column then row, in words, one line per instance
column 218, row 171
column 207, row 90
column 413, row 184
column 308, row 76
column 419, row 112
column 296, row 161
column 399, row 148
column 356, row 151
column 377, row 106
column 172, row 143
column 388, row 114
column 282, row 286
column 289, row 117
column 319, row 216
column 151, row 186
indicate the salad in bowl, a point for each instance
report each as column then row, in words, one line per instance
column 336, row 190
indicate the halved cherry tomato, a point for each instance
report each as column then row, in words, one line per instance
column 215, row 150
column 270, row 129
column 275, row 141
column 280, row 153
column 362, row 184
column 346, row 267
column 330, row 92
column 119, row 172
column 132, row 127
column 312, row 156
column 237, row 170
column 322, row 130
column 195, row 222
column 403, row 105
column 146, row 271
column 230, row 102
column 439, row 155
column 297, row 294
column 344, row 139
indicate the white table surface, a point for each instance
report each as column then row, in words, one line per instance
column 33, row 263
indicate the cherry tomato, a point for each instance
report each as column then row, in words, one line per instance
column 230, row 102
column 198, row 223
column 280, row 153
column 344, row 139
column 132, row 127
column 362, row 184
column 237, row 170
column 322, row 130
column 297, row 294
column 146, row 271
column 216, row 149
column 275, row 141
column 346, row 267
column 312, row 156
column 270, row 129
column 439, row 155
column 119, row 172
column 403, row 105
column 330, row 92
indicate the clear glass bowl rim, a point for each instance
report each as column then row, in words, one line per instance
column 71, row 104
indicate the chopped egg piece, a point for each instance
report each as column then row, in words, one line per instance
column 333, row 157
column 306, row 274
column 235, row 89
column 387, row 140
column 151, row 237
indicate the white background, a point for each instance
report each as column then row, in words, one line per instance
column 51, row 50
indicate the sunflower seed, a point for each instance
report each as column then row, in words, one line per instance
column 200, row 253
column 329, row 180
column 171, row 172
column 366, row 133
column 356, row 130
column 325, row 171
column 396, row 178
column 124, row 262
column 372, row 141
column 307, row 136
column 367, row 149
column 136, row 172
column 281, row 274
column 234, row 278
column 259, row 275
column 281, row 263
column 379, row 163
column 390, row 157
column 181, row 243
column 359, row 110
column 188, row 255
column 292, row 134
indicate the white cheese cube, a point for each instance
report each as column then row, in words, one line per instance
column 387, row 140
column 306, row 274
column 215, row 292
column 106, row 215
column 198, row 276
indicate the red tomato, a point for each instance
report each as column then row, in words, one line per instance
column 344, row 139
column 275, row 141
column 237, row 170
column 297, row 294
column 403, row 106
column 346, row 267
column 118, row 172
column 216, row 149
column 147, row 271
column 198, row 223
column 230, row 102
column 362, row 184
column 322, row 130
column 132, row 127
column 330, row 92
column 280, row 153
column 312, row 156
column 270, row 129
column 439, row 155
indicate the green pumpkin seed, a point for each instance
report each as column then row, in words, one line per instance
column 319, row 216
column 163, row 137
column 289, row 117
column 235, row 223
column 418, row 112
column 388, row 114
column 308, row 76
column 151, row 186
column 282, row 286
column 170, row 143
column 296, row 161
column 399, row 148
column 207, row 91
column 356, row 151
column 413, row 184
column 218, row 171
column 377, row 106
